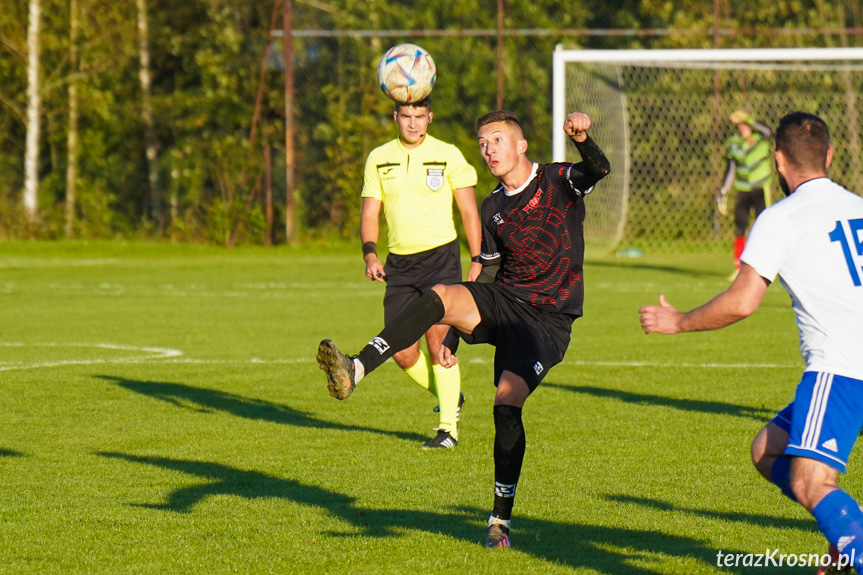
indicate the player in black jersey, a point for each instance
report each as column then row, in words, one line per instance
column 524, row 303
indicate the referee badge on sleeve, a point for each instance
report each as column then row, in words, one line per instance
column 434, row 178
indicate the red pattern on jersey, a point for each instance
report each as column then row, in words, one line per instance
column 538, row 247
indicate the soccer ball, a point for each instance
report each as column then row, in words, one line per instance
column 406, row 73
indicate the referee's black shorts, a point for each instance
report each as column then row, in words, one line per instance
column 528, row 340
column 411, row 275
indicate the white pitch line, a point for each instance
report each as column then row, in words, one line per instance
column 174, row 356
column 687, row 364
column 160, row 353
column 300, row 360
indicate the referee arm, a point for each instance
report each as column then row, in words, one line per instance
column 465, row 199
column 369, row 229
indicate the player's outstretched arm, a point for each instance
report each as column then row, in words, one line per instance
column 663, row 318
column 765, row 130
column 576, row 125
column 595, row 163
column 737, row 302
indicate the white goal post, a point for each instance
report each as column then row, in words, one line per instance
column 662, row 117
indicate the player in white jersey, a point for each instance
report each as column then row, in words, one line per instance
column 813, row 241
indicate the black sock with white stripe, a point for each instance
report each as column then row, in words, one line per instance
column 509, row 446
column 403, row 331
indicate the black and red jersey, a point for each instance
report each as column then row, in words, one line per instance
column 536, row 235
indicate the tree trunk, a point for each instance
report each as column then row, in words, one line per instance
column 853, row 114
column 288, row 46
column 147, row 115
column 31, row 154
column 72, row 135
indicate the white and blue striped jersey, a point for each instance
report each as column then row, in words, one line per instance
column 813, row 240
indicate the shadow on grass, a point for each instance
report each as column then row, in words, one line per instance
column 610, row 550
column 749, row 518
column 683, row 271
column 716, row 407
column 10, row 453
column 210, row 400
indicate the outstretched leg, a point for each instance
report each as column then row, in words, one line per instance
column 452, row 305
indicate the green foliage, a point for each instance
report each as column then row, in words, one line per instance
column 206, row 60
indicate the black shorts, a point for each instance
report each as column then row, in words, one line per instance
column 528, row 340
column 411, row 275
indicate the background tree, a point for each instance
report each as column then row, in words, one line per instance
column 205, row 56
column 34, row 103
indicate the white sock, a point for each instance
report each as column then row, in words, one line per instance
column 492, row 520
column 359, row 370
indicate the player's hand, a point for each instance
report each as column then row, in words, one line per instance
column 722, row 204
column 446, row 352
column 374, row 269
column 575, row 126
column 474, row 271
column 663, row 318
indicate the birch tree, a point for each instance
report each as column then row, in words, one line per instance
column 31, row 152
column 145, row 76
column 72, row 134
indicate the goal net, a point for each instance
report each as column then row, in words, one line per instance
column 662, row 117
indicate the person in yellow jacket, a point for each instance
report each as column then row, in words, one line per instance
column 415, row 179
column 748, row 174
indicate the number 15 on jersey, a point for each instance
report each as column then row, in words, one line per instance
column 838, row 235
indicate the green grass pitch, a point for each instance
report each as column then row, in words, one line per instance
column 161, row 412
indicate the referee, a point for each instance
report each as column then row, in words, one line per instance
column 415, row 178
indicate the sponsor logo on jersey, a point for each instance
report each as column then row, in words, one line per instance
column 534, row 201
column 387, row 171
column 498, row 219
column 380, row 344
column 537, row 367
column 434, row 178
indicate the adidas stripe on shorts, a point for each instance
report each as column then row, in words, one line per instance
column 824, row 419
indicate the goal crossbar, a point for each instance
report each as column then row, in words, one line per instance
column 668, row 56
column 661, row 117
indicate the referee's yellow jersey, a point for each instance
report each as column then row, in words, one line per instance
column 415, row 187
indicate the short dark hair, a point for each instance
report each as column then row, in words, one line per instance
column 498, row 116
column 424, row 103
column 804, row 140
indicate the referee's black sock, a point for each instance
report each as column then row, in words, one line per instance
column 509, row 445
column 404, row 331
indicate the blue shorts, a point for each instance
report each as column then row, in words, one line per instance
column 824, row 419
